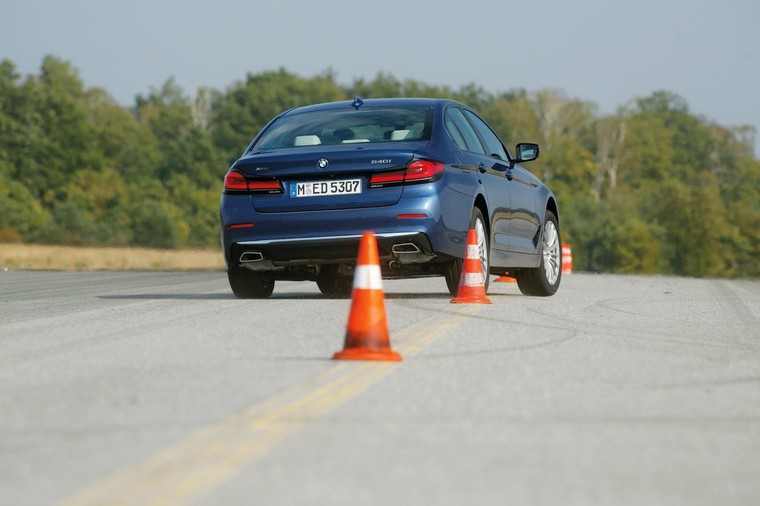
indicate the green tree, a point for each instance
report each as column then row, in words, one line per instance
column 21, row 215
column 653, row 188
column 184, row 144
column 126, row 146
column 64, row 145
column 154, row 226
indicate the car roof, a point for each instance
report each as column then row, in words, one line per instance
column 374, row 102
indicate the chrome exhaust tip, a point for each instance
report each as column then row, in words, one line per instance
column 407, row 247
column 251, row 256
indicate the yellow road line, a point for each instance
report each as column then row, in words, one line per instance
column 196, row 465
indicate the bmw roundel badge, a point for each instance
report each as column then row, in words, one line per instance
column 322, row 163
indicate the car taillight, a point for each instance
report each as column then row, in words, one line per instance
column 264, row 186
column 419, row 171
column 423, row 170
column 235, row 182
column 386, row 178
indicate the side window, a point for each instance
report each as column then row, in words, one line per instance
column 493, row 144
column 455, row 134
column 470, row 138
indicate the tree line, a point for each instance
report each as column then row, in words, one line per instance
column 652, row 188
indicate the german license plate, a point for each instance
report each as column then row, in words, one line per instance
column 325, row 188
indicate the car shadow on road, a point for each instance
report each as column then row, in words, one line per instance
column 276, row 296
column 417, row 296
column 170, row 296
column 319, row 296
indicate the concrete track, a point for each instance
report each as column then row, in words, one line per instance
column 144, row 388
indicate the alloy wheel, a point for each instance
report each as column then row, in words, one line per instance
column 552, row 250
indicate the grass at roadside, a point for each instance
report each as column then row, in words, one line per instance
column 17, row 257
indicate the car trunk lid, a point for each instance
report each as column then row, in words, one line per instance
column 320, row 179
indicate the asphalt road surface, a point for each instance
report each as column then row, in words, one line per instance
column 145, row 388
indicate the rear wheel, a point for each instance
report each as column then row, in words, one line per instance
column 453, row 271
column 247, row 284
column 544, row 279
column 335, row 285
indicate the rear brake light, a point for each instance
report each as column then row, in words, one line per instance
column 419, row 171
column 423, row 170
column 235, row 182
column 386, row 178
column 265, row 186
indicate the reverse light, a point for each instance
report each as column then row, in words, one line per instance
column 419, row 171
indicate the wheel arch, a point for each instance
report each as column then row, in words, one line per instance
column 480, row 203
column 551, row 205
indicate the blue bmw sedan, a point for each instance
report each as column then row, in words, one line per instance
column 419, row 173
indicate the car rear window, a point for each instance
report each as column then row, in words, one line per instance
column 347, row 126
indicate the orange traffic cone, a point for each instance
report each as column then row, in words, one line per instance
column 506, row 279
column 472, row 288
column 567, row 259
column 367, row 328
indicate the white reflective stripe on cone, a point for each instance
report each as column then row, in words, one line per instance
column 472, row 251
column 368, row 277
column 473, row 279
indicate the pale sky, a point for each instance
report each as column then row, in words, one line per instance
column 607, row 52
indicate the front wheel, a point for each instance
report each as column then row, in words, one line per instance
column 544, row 279
column 453, row 272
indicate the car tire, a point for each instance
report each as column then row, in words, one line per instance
column 247, row 284
column 335, row 285
column 453, row 271
column 544, row 280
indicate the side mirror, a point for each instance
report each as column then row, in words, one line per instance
column 527, row 151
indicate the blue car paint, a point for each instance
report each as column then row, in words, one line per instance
column 514, row 208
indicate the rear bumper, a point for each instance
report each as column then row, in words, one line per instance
column 404, row 247
column 421, row 233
